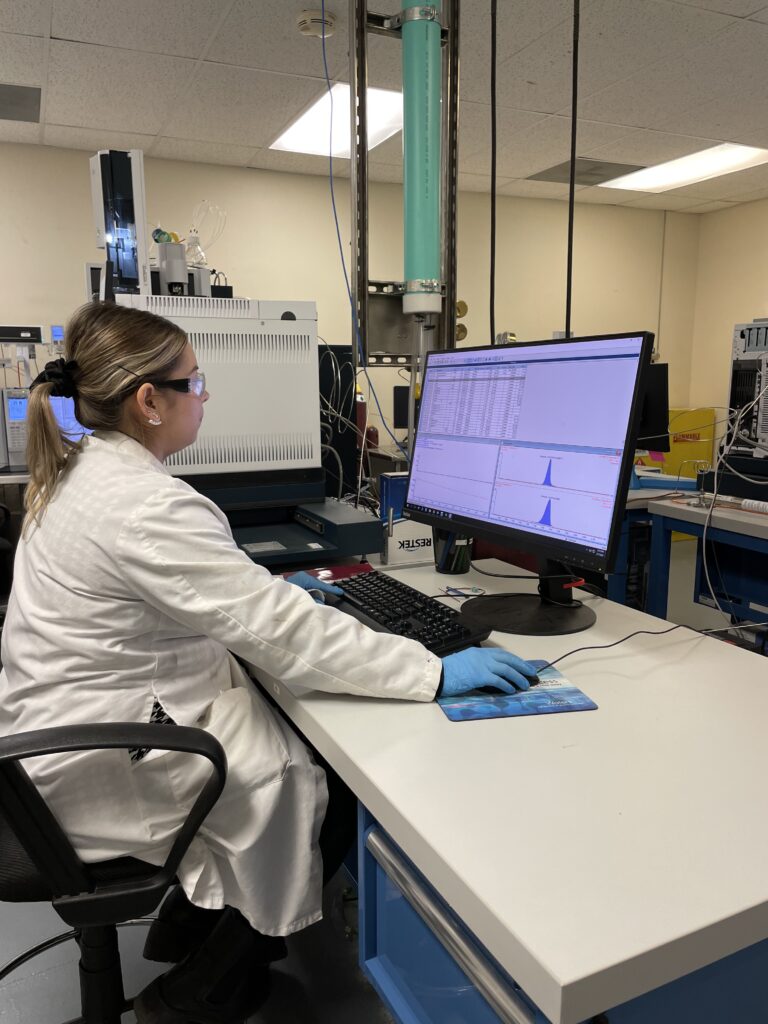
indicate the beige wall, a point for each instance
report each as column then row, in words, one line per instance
column 280, row 243
column 732, row 288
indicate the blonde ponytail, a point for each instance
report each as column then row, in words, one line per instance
column 110, row 351
column 47, row 452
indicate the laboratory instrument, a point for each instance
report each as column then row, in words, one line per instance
column 258, row 453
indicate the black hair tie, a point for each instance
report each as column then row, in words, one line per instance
column 60, row 373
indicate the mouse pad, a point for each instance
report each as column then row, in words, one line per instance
column 551, row 696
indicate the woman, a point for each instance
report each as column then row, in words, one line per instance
column 130, row 599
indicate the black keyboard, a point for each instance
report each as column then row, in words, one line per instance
column 389, row 606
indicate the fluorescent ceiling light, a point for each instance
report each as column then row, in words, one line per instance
column 311, row 133
column 708, row 163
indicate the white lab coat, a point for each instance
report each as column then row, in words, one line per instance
column 132, row 593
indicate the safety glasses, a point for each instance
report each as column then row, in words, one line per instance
column 193, row 385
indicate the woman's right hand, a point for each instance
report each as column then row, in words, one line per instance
column 485, row 666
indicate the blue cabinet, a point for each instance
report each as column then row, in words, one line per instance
column 429, row 969
column 423, row 962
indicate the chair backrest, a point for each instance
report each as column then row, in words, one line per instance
column 39, row 833
column 115, row 890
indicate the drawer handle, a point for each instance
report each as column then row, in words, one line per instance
column 494, row 989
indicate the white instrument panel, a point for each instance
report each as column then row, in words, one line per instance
column 262, row 376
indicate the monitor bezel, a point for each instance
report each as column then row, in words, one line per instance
column 548, row 548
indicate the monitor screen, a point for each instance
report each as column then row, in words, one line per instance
column 17, row 409
column 530, row 444
column 64, row 411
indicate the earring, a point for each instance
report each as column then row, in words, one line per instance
column 154, row 421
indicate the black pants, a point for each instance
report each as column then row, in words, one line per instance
column 339, row 828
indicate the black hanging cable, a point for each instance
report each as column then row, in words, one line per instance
column 572, row 178
column 493, row 172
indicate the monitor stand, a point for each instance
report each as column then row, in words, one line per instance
column 551, row 612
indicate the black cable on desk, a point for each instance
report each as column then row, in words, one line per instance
column 645, row 632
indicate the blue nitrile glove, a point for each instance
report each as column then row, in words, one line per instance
column 308, row 582
column 485, row 666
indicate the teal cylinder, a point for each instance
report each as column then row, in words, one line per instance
column 422, row 75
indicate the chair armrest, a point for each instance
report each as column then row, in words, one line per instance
column 126, row 735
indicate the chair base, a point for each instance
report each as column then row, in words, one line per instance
column 122, row 1005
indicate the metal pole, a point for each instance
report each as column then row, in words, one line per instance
column 358, row 113
column 447, row 338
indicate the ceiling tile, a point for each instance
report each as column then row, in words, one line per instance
column 385, row 63
column 601, row 196
column 751, row 197
column 733, row 118
column 21, row 59
column 711, row 207
column 28, row 17
column 648, row 148
column 240, row 106
column 543, row 145
column 178, row 27
column 93, row 139
column 736, row 8
column 201, row 152
column 264, row 35
column 521, row 24
column 388, row 152
column 758, row 138
column 654, row 94
column 534, row 189
column 475, row 132
column 299, row 163
column 19, row 131
column 663, row 201
column 616, row 36
column 480, row 183
column 89, row 88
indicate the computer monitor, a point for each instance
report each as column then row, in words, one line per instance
column 653, row 432
column 531, row 445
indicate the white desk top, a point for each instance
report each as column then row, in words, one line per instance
column 13, row 478
column 596, row 855
column 751, row 524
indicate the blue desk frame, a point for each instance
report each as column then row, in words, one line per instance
column 617, row 580
column 661, row 543
column 417, row 978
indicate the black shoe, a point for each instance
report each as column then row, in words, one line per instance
column 152, row 1007
column 224, row 982
column 179, row 930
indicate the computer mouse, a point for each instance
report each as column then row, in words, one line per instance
column 494, row 691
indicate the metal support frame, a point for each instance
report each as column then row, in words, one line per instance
column 361, row 22
column 358, row 173
column 447, row 338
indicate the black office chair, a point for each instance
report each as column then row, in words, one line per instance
column 7, row 548
column 39, row 864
